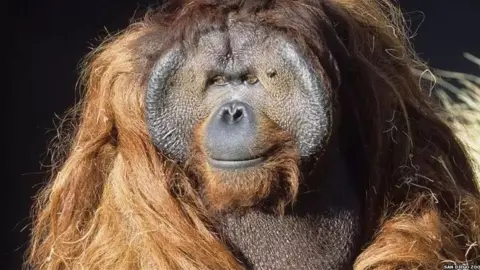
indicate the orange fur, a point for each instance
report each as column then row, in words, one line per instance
column 277, row 175
column 116, row 203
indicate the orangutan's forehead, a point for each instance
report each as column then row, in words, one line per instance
column 242, row 48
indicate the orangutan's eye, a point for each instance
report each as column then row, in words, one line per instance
column 219, row 80
column 251, row 79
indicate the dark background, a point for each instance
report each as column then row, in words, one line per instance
column 47, row 39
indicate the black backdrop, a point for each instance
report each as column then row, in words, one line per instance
column 46, row 39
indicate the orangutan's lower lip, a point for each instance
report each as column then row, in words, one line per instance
column 234, row 164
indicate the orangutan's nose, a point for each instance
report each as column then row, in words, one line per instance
column 231, row 132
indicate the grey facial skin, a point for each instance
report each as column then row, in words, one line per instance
column 261, row 71
column 230, row 137
column 185, row 88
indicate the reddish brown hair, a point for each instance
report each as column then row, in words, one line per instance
column 110, row 204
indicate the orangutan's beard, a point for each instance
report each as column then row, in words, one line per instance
column 271, row 185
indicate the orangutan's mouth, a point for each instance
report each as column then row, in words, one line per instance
column 235, row 164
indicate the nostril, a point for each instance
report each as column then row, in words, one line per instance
column 232, row 114
column 237, row 115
